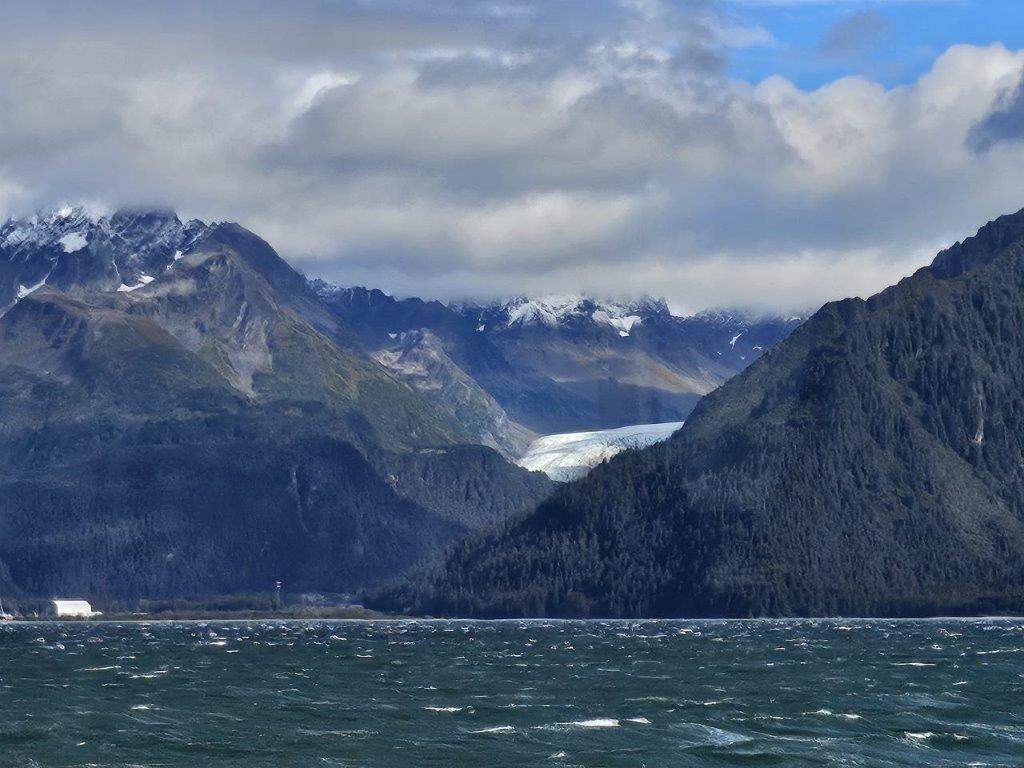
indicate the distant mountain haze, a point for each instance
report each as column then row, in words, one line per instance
column 529, row 367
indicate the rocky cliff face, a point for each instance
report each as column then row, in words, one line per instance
column 868, row 464
column 75, row 250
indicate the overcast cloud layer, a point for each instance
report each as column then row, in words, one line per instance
column 457, row 149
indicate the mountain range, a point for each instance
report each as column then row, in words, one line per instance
column 516, row 370
column 183, row 413
column 869, row 464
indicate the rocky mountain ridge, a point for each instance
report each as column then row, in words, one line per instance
column 73, row 249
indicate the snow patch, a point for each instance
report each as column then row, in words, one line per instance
column 571, row 455
column 23, row 291
column 554, row 311
column 143, row 280
column 623, row 324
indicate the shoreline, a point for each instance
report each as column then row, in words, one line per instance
column 348, row 613
column 374, row 617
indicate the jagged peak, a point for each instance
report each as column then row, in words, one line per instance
column 77, row 213
column 92, row 213
column 127, row 218
column 557, row 310
column 987, row 243
column 84, row 247
column 328, row 290
column 48, row 226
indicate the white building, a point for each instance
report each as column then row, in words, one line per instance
column 76, row 609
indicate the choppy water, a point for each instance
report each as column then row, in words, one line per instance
column 786, row 693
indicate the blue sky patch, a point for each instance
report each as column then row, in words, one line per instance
column 892, row 42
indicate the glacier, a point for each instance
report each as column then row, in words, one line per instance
column 570, row 455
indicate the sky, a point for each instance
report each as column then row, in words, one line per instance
column 769, row 154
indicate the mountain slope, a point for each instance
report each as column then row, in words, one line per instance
column 420, row 358
column 215, row 428
column 869, row 464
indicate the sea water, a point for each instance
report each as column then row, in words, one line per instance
column 515, row 693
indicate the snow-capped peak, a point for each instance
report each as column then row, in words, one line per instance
column 49, row 228
column 74, row 246
column 68, row 225
column 546, row 310
column 560, row 310
column 69, row 216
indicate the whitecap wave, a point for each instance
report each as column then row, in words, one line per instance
column 596, row 722
column 918, row 736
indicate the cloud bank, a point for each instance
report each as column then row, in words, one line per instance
column 480, row 149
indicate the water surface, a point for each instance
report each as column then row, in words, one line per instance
column 670, row 693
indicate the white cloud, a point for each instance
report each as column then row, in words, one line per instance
column 555, row 147
column 12, row 195
column 312, row 88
